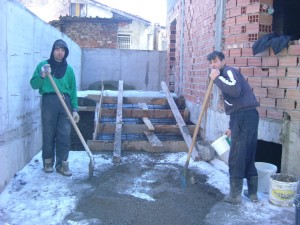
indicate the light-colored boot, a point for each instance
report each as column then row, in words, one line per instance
column 64, row 169
column 48, row 165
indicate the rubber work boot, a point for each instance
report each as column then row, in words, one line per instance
column 48, row 165
column 236, row 187
column 252, row 183
column 64, row 169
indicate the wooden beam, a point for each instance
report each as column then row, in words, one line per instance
column 140, row 128
column 153, row 139
column 98, row 113
column 135, row 100
column 140, row 113
column 180, row 122
column 118, row 133
column 138, row 145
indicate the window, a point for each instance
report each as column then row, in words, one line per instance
column 78, row 9
column 124, row 41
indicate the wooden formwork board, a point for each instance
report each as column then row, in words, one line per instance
column 167, row 146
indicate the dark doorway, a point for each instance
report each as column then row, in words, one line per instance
column 269, row 152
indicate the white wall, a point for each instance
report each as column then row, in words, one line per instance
column 25, row 40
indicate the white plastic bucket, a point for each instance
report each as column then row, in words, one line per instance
column 222, row 147
column 264, row 171
column 283, row 189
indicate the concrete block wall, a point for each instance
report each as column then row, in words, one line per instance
column 139, row 69
column 25, row 40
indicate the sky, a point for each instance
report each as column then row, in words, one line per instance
column 32, row 194
column 152, row 10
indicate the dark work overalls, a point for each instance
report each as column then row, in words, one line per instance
column 56, row 128
column 243, row 144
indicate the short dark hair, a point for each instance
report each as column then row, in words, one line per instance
column 214, row 55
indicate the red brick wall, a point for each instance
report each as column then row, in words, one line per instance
column 198, row 42
column 89, row 32
column 274, row 78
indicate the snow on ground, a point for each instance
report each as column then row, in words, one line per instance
column 33, row 194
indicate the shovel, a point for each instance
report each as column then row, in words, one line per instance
column 184, row 174
column 92, row 163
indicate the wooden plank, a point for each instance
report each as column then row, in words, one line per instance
column 140, row 113
column 137, row 145
column 98, row 113
column 118, row 133
column 181, row 124
column 140, row 128
column 153, row 139
column 135, row 100
column 148, row 123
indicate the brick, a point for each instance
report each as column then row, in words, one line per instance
column 235, row 30
column 275, row 114
column 269, row 82
column 252, row 28
column 294, row 115
column 264, row 53
column 242, row 2
column 267, row 102
column 265, row 19
column 254, row 61
column 288, row 61
column 254, row 81
column 247, row 71
column 293, row 72
column 260, row 92
column 277, row 72
column 294, row 50
column 240, row 61
column 230, row 4
column 283, row 52
column 269, row 61
column 292, row 94
column 285, row 104
column 230, row 40
column 267, row 2
column 236, row 11
column 230, row 61
column 247, row 52
column 235, row 52
column 241, row 38
column 258, row 72
column 275, row 93
column 262, row 111
column 230, row 22
column 290, row 83
column 243, row 19
column 253, row 8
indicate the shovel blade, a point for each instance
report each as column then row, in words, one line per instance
column 186, row 177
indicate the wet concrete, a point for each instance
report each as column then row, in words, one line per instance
column 155, row 196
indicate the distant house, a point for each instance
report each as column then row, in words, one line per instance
column 92, row 24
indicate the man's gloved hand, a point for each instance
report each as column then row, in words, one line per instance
column 46, row 69
column 76, row 117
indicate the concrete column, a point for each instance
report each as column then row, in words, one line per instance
column 290, row 148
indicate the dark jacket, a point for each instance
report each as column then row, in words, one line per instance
column 236, row 91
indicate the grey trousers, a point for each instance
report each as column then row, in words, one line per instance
column 56, row 128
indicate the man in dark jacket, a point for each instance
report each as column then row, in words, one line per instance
column 56, row 125
column 240, row 104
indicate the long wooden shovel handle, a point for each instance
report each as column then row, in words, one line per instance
column 72, row 120
column 206, row 98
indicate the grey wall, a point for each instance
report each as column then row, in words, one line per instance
column 144, row 70
column 25, row 40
